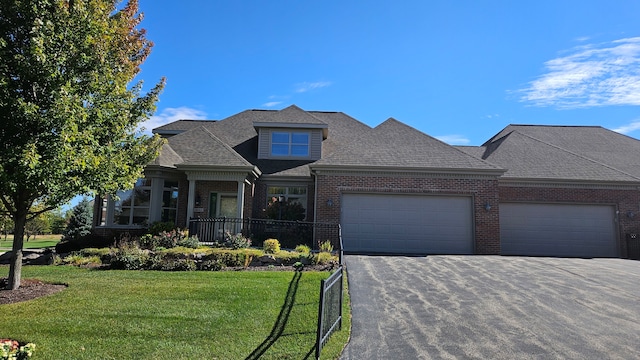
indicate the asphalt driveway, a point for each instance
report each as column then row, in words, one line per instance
column 492, row 307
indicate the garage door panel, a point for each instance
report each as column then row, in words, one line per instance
column 558, row 230
column 407, row 223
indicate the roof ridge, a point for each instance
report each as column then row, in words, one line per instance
column 576, row 154
column 226, row 146
column 429, row 137
column 551, row 125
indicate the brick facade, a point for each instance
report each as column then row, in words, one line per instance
column 483, row 191
column 624, row 201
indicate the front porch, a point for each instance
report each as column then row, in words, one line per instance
column 289, row 233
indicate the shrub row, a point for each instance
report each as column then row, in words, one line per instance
column 128, row 257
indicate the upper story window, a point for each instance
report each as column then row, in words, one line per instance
column 290, row 143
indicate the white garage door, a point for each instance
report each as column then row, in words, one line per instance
column 410, row 224
column 558, row 230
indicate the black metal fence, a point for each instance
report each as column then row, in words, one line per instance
column 330, row 309
column 289, row 233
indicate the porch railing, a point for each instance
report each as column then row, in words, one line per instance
column 289, row 233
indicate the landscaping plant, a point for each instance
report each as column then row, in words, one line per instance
column 271, row 246
column 12, row 350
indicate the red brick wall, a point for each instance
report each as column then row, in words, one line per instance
column 624, row 200
column 487, row 227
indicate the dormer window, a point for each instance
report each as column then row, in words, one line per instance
column 290, row 144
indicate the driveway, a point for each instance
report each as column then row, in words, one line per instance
column 492, row 307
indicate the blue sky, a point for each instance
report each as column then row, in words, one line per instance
column 456, row 70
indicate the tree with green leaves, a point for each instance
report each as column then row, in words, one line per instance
column 79, row 225
column 69, row 105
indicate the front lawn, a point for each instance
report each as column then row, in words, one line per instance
column 172, row 315
column 41, row 241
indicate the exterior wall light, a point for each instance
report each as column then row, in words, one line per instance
column 487, row 206
column 330, row 203
column 631, row 214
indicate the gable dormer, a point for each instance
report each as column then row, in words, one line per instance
column 290, row 134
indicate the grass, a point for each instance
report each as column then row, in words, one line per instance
column 172, row 315
column 41, row 241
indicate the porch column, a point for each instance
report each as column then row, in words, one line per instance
column 191, row 200
column 240, row 199
column 155, row 203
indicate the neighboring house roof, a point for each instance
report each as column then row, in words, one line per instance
column 570, row 153
column 393, row 144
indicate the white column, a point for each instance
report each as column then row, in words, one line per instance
column 155, row 204
column 191, row 200
column 240, row 199
column 240, row 204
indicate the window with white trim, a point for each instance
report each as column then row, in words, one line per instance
column 290, row 144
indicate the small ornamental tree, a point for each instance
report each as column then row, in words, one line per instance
column 68, row 107
column 285, row 210
column 79, row 224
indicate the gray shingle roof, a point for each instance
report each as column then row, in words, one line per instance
column 394, row 144
column 167, row 157
column 180, row 126
column 234, row 141
column 291, row 115
column 589, row 153
column 200, row 147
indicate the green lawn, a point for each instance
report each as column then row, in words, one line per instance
column 171, row 315
column 41, row 241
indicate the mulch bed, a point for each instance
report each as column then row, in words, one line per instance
column 29, row 289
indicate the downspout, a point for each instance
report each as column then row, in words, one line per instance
column 315, row 197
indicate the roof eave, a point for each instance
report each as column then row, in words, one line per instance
column 285, row 125
column 251, row 169
column 404, row 169
column 557, row 181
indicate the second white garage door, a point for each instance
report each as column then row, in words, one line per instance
column 558, row 230
column 409, row 224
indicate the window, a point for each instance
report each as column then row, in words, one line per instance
column 294, row 144
column 291, row 193
column 132, row 208
column 169, row 201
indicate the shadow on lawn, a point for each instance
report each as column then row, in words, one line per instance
column 281, row 321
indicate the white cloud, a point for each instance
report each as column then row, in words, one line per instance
column 170, row 115
column 631, row 127
column 454, row 139
column 307, row 86
column 272, row 103
column 591, row 75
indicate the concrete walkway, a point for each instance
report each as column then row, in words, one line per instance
column 491, row 307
